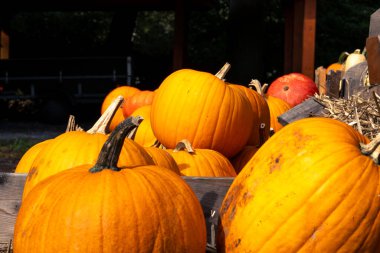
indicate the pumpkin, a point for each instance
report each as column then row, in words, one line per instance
column 144, row 134
column 261, row 115
column 162, row 158
column 201, row 162
column 26, row 161
column 312, row 187
column 276, row 106
column 135, row 209
column 242, row 158
column 124, row 91
column 353, row 59
column 339, row 65
column 78, row 147
column 203, row 109
column 294, row 88
column 141, row 98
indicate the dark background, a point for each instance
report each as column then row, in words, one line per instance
column 212, row 35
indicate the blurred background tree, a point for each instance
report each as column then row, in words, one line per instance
column 341, row 26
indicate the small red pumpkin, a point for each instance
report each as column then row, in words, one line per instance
column 294, row 88
column 137, row 100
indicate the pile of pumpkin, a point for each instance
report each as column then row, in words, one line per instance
column 311, row 186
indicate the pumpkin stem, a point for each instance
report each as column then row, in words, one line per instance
column 223, row 71
column 110, row 152
column 105, row 119
column 184, row 145
column 372, row 149
column 71, row 125
column 261, row 89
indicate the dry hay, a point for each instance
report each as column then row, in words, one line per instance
column 358, row 112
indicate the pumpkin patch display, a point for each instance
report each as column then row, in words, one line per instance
column 201, row 162
column 139, row 209
column 202, row 108
column 124, row 91
column 312, row 187
column 294, row 88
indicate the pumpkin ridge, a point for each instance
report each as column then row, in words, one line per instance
column 301, row 204
column 294, row 209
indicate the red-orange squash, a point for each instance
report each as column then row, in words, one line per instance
column 200, row 107
column 312, row 187
column 104, row 208
column 125, row 91
column 141, row 98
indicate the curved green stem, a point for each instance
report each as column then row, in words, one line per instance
column 110, row 152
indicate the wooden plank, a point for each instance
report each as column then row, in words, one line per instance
column 308, row 38
column 209, row 190
column 374, row 24
column 11, row 188
column 180, row 31
column 354, row 79
column 373, row 58
column 332, row 83
column 309, row 108
column 320, row 80
column 4, row 45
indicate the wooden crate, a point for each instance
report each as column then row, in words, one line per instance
column 209, row 190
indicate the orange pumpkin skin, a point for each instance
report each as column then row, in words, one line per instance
column 144, row 134
column 131, row 210
column 141, row 98
column 200, row 107
column 261, row 115
column 26, row 161
column 202, row 163
column 307, row 189
column 336, row 66
column 75, row 148
column 163, row 159
column 277, row 107
column 125, row 91
column 242, row 158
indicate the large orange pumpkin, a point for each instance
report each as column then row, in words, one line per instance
column 75, row 148
column 202, row 108
column 124, row 91
column 104, row 208
column 312, row 187
column 201, row 162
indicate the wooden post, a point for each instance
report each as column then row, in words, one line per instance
column 299, row 47
column 180, row 30
column 4, row 45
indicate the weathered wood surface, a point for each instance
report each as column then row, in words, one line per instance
column 374, row 24
column 373, row 58
column 210, row 192
column 354, row 80
column 309, row 108
column 11, row 187
column 332, row 83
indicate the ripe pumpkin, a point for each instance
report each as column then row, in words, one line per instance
column 162, row 158
column 136, row 209
column 75, row 148
column 141, row 98
column 203, row 109
column 26, row 161
column 201, row 162
column 261, row 115
column 339, row 65
column 124, row 91
column 144, row 134
column 276, row 106
column 312, row 187
column 294, row 88
column 242, row 158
